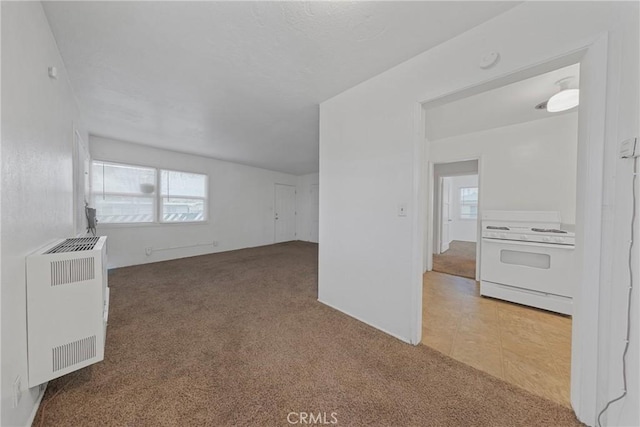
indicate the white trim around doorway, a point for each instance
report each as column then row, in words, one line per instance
column 592, row 55
column 431, row 203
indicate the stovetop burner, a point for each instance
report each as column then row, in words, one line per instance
column 539, row 228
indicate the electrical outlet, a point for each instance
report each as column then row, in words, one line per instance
column 148, row 251
column 17, row 391
column 215, row 243
column 402, row 209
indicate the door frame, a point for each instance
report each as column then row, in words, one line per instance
column 315, row 212
column 431, row 204
column 440, row 206
column 592, row 55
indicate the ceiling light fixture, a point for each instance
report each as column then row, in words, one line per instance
column 564, row 100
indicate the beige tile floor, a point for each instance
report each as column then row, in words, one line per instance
column 524, row 346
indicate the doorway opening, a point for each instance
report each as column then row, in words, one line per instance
column 284, row 213
column 500, row 220
column 455, row 218
column 315, row 212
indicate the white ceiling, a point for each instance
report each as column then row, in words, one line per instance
column 239, row 81
column 504, row 106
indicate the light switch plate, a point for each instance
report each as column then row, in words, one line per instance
column 629, row 148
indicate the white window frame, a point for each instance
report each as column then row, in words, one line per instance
column 157, row 195
column 96, row 193
column 460, row 204
column 205, row 199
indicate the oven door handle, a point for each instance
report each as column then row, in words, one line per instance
column 532, row 244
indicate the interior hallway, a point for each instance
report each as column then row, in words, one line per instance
column 524, row 346
column 459, row 260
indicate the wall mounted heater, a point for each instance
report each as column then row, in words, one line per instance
column 67, row 307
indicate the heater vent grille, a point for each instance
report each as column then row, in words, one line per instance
column 72, row 271
column 74, row 245
column 74, row 352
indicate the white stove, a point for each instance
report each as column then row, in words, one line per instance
column 527, row 258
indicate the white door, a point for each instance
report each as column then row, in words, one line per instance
column 315, row 212
column 285, row 213
column 445, row 215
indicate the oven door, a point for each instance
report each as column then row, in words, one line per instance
column 534, row 266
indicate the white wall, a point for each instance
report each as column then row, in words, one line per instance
column 465, row 230
column 241, row 203
column 624, row 99
column 37, row 192
column 306, row 226
column 368, row 264
column 528, row 166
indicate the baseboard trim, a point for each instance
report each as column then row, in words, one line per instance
column 32, row 416
column 403, row 339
